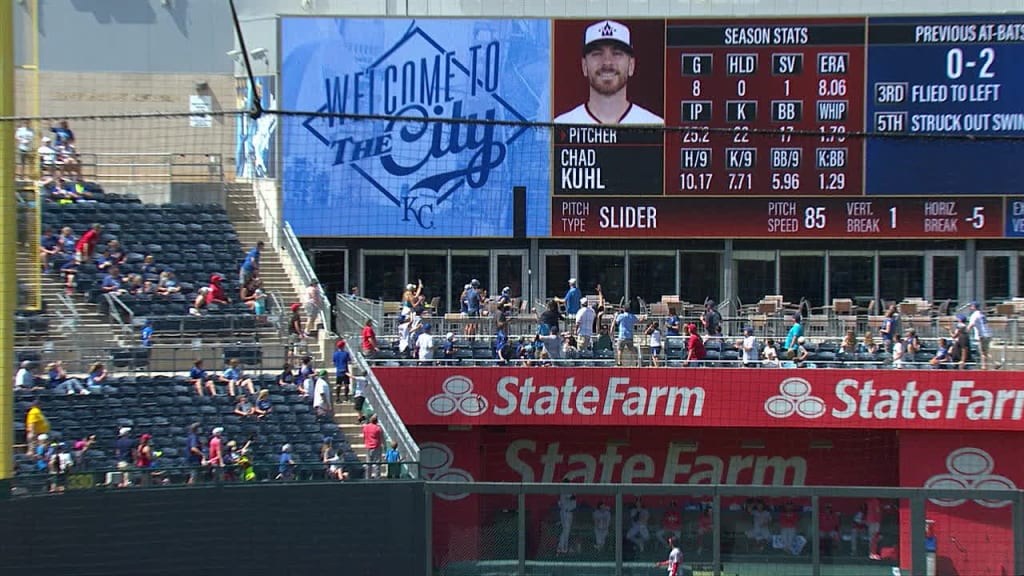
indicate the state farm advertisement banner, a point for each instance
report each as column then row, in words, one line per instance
column 974, row 536
column 883, row 399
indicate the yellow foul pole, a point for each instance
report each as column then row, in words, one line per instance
column 8, row 246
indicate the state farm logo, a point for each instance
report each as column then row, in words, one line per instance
column 457, row 396
column 970, row 468
column 436, row 461
column 795, row 398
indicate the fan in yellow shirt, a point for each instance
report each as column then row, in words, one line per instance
column 35, row 424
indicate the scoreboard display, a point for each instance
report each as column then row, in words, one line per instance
column 733, row 80
column 812, row 128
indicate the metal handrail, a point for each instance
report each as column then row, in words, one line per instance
column 268, row 215
column 115, row 305
column 390, row 421
column 94, row 165
column 305, row 269
column 70, row 311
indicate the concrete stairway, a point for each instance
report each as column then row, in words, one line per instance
column 242, row 209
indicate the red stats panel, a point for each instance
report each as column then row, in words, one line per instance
column 779, row 217
column 726, row 81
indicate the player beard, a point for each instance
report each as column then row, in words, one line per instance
column 607, row 82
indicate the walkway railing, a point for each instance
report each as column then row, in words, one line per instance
column 389, row 419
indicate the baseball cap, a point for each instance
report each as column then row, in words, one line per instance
column 341, row 344
column 450, row 336
column 607, row 31
column 322, row 372
column 973, row 304
column 583, row 301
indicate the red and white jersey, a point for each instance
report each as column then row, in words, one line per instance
column 633, row 115
column 675, row 562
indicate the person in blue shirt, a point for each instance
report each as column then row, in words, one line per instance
column 147, row 334
column 505, row 299
column 572, row 299
column 47, row 247
column 672, row 323
column 286, row 466
column 62, row 133
column 394, row 459
column 448, row 347
column 342, row 372
column 794, row 334
column 193, row 452
column 200, row 379
column 501, row 346
column 624, row 324
column 112, row 281
column 251, row 265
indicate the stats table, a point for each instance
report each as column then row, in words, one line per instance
column 908, row 127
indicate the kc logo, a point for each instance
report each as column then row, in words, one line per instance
column 971, row 468
column 457, row 396
column 794, row 398
column 436, row 465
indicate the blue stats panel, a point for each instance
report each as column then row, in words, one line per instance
column 945, row 76
column 374, row 176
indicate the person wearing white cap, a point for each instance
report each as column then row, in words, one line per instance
column 585, row 324
column 608, row 63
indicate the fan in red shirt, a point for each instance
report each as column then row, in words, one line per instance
column 216, row 294
column 695, row 352
column 370, row 348
column 86, row 245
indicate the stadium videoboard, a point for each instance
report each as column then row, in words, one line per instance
column 782, row 128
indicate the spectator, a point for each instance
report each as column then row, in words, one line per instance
column 695, row 351
column 570, row 349
column 342, row 371
column 199, row 302
column 25, row 137
column 393, row 459
column 504, row 301
column 147, row 334
column 550, row 317
column 672, row 323
column 849, row 343
column 70, row 270
column 193, row 453
column 48, row 248
column 149, row 267
column 888, row 328
column 473, row 298
column 263, row 406
column 243, row 409
column 711, row 319
column 168, row 284
column 748, row 348
column 144, row 457
column 911, row 345
column 410, row 297
column 24, row 378
column 234, row 376
column 771, row 355
column 802, row 353
column 62, row 133
column 425, row 345
column 200, row 379
column 59, row 381
column 585, row 324
column 36, row 425
column 654, row 332
column 82, row 448
column 961, row 348
column 86, row 245
column 216, row 454
column 898, row 354
column 369, row 339
column 112, row 282
column 60, row 465
column 115, row 253
column 373, row 439
column 978, row 324
column 259, row 305
column 314, row 304
column 124, row 446
column 304, row 380
column 47, row 156
column 66, row 240
column 323, row 405
column 97, row 377
column 330, row 457
column 941, row 359
column 251, row 265
column 868, row 345
column 287, row 376
column 624, row 322
column 572, row 299
column 296, row 334
column 216, row 294
column 448, row 348
column 285, row 465
column 795, row 332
